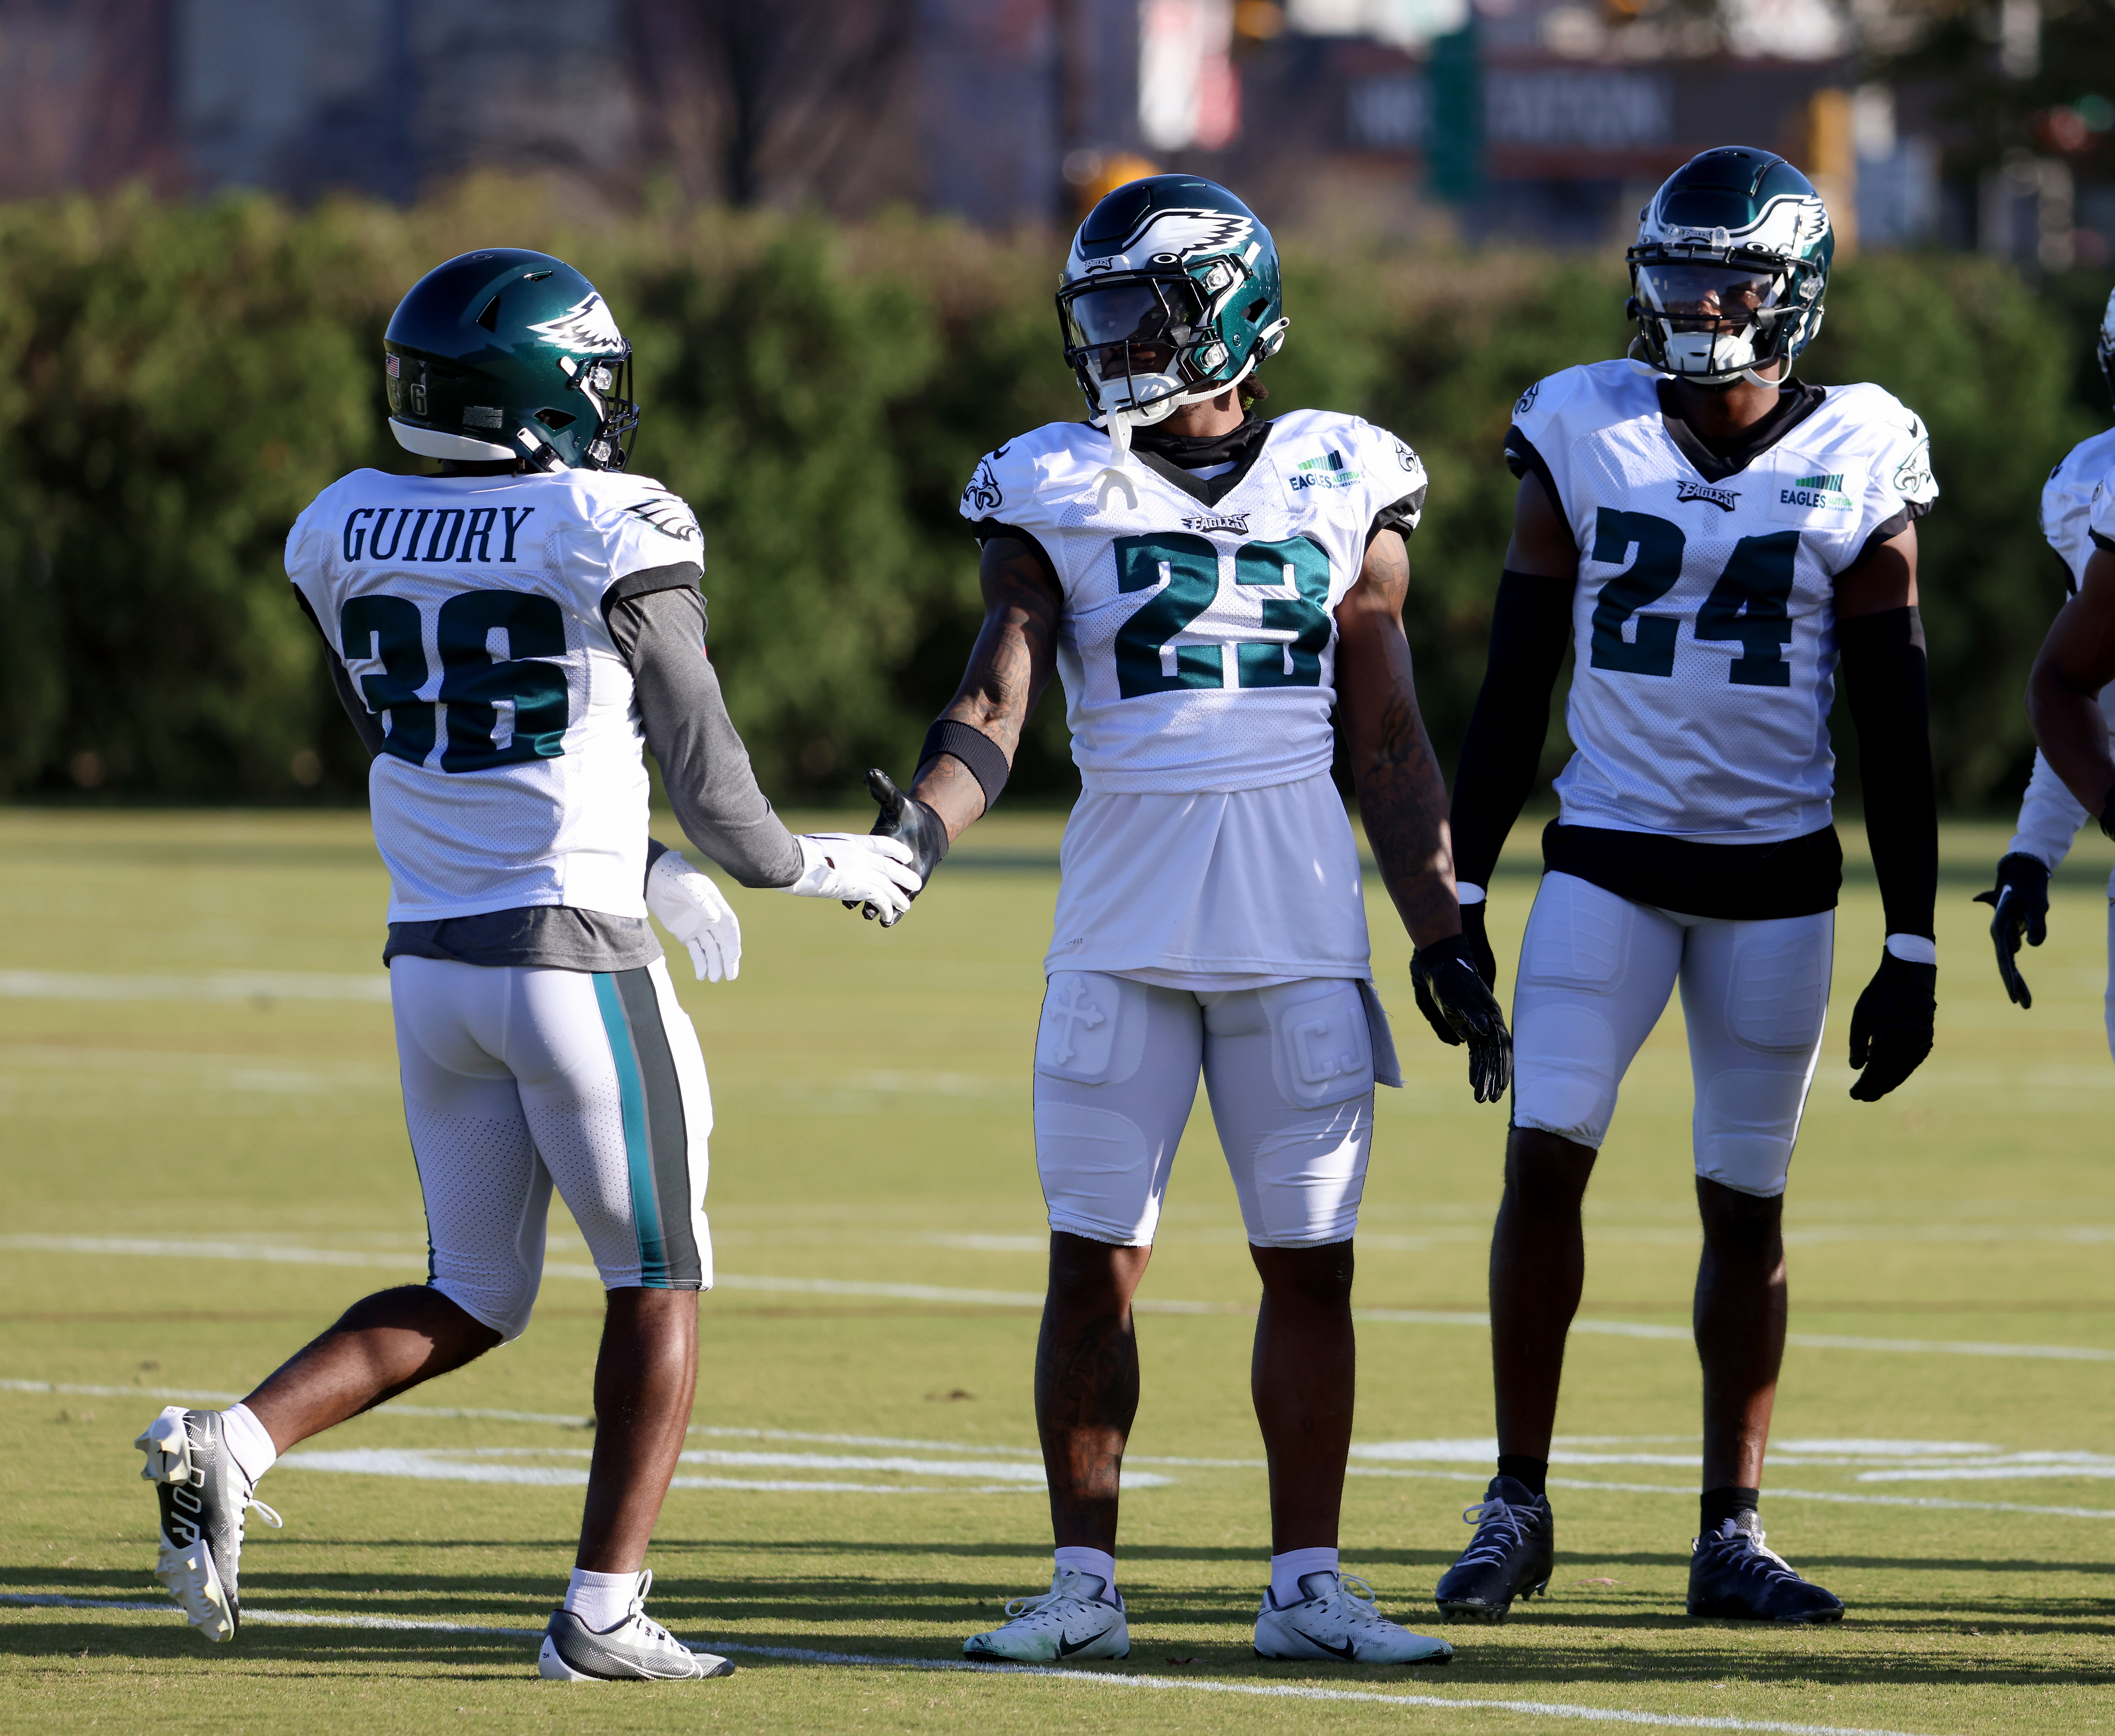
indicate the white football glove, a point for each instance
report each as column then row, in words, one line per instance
column 859, row 867
column 690, row 908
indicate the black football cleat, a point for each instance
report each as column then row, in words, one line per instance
column 204, row 1498
column 1509, row 1556
column 1733, row 1577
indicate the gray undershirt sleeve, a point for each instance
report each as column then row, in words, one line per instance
column 704, row 766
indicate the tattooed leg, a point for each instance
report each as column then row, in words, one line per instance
column 1086, row 1383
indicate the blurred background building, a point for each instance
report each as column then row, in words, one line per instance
column 1982, row 124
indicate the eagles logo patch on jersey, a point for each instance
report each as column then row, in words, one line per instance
column 984, row 494
column 669, row 515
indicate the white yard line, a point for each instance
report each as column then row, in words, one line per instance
column 219, row 985
column 1158, row 1685
column 1363, row 1465
column 159, row 1247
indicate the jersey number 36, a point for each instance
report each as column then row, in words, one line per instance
column 473, row 682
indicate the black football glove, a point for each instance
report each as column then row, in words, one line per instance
column 1479, row 943
column 1455, row 1002
column 2019, row 902
column 913, row 822
column 1891, row 1025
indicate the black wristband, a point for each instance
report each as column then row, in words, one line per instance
column 985, row 757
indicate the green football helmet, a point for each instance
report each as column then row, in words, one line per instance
column 1729, row 268
column 505, row 354
column 1170, row 296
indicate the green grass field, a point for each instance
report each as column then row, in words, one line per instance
column 204, row 1161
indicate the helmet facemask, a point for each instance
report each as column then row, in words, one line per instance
column 2105, row 350
column 1715, row 316
column 605, row 381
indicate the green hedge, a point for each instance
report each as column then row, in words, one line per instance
column 177, row 381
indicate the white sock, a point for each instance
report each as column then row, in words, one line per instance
column 601, row 1600
column 1099, row 1562
column 248, row 1443
column 1286, row 1570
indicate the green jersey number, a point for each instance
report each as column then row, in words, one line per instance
column 1750, row 603
column 473, row 682
column 1186, row 570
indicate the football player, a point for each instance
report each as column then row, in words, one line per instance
column 1710, row 537
column 504, row 634
column 1209, row 585
column 2049, row 815
column 2069, row 694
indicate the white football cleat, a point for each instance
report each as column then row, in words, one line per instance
column 1337, row 1619
column 637, row 1649
column 1075, row 1620
column 203, row 1498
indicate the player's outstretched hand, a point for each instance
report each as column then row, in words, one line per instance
column 690, row 908
column 1454, row 1001
column 1891, row 1025
column 913, row 824
column 1479, row 941
column 858, row 867
column 2019, row 902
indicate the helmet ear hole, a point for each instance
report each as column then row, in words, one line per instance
column 554, row 420
column 1256, row 309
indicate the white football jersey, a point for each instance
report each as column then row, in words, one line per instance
column 2077, row 500
column 2076, row 489
column 1198, row 647
column 468, row 611
column 1703, row 621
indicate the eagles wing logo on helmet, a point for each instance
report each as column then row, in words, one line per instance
column 1178, row 235
column 587, row 326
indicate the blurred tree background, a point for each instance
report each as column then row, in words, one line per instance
column 177, row 381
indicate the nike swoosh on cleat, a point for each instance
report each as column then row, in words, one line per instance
column 1347, row 1652
column 1066, row 1648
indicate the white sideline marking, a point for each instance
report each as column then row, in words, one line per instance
column 151, row 1248
column 61, row 1388
column 474, row 1465
column 963, row 1666
column 221, row 985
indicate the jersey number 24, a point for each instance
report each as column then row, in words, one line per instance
column 1186, row 569
column 473, row 682
column 1748, row 604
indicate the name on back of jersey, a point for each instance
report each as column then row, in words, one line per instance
column 469, row 530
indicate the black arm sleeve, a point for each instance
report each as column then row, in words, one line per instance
column 661, row 632
column 364, row 721
column 1886, row 688
column 1530, row 626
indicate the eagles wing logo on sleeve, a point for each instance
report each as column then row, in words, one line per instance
column 984, row 494
column 1913, row 475
column 1527, row 399
column 1408, row 459
column 587, row 326
column 669, row 514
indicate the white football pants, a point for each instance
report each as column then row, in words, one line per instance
column 516, row 1079
column 1290, row 1072
column 1595, row 972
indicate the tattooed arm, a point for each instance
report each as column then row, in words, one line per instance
column 1401, row 795
column 1010, row 666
